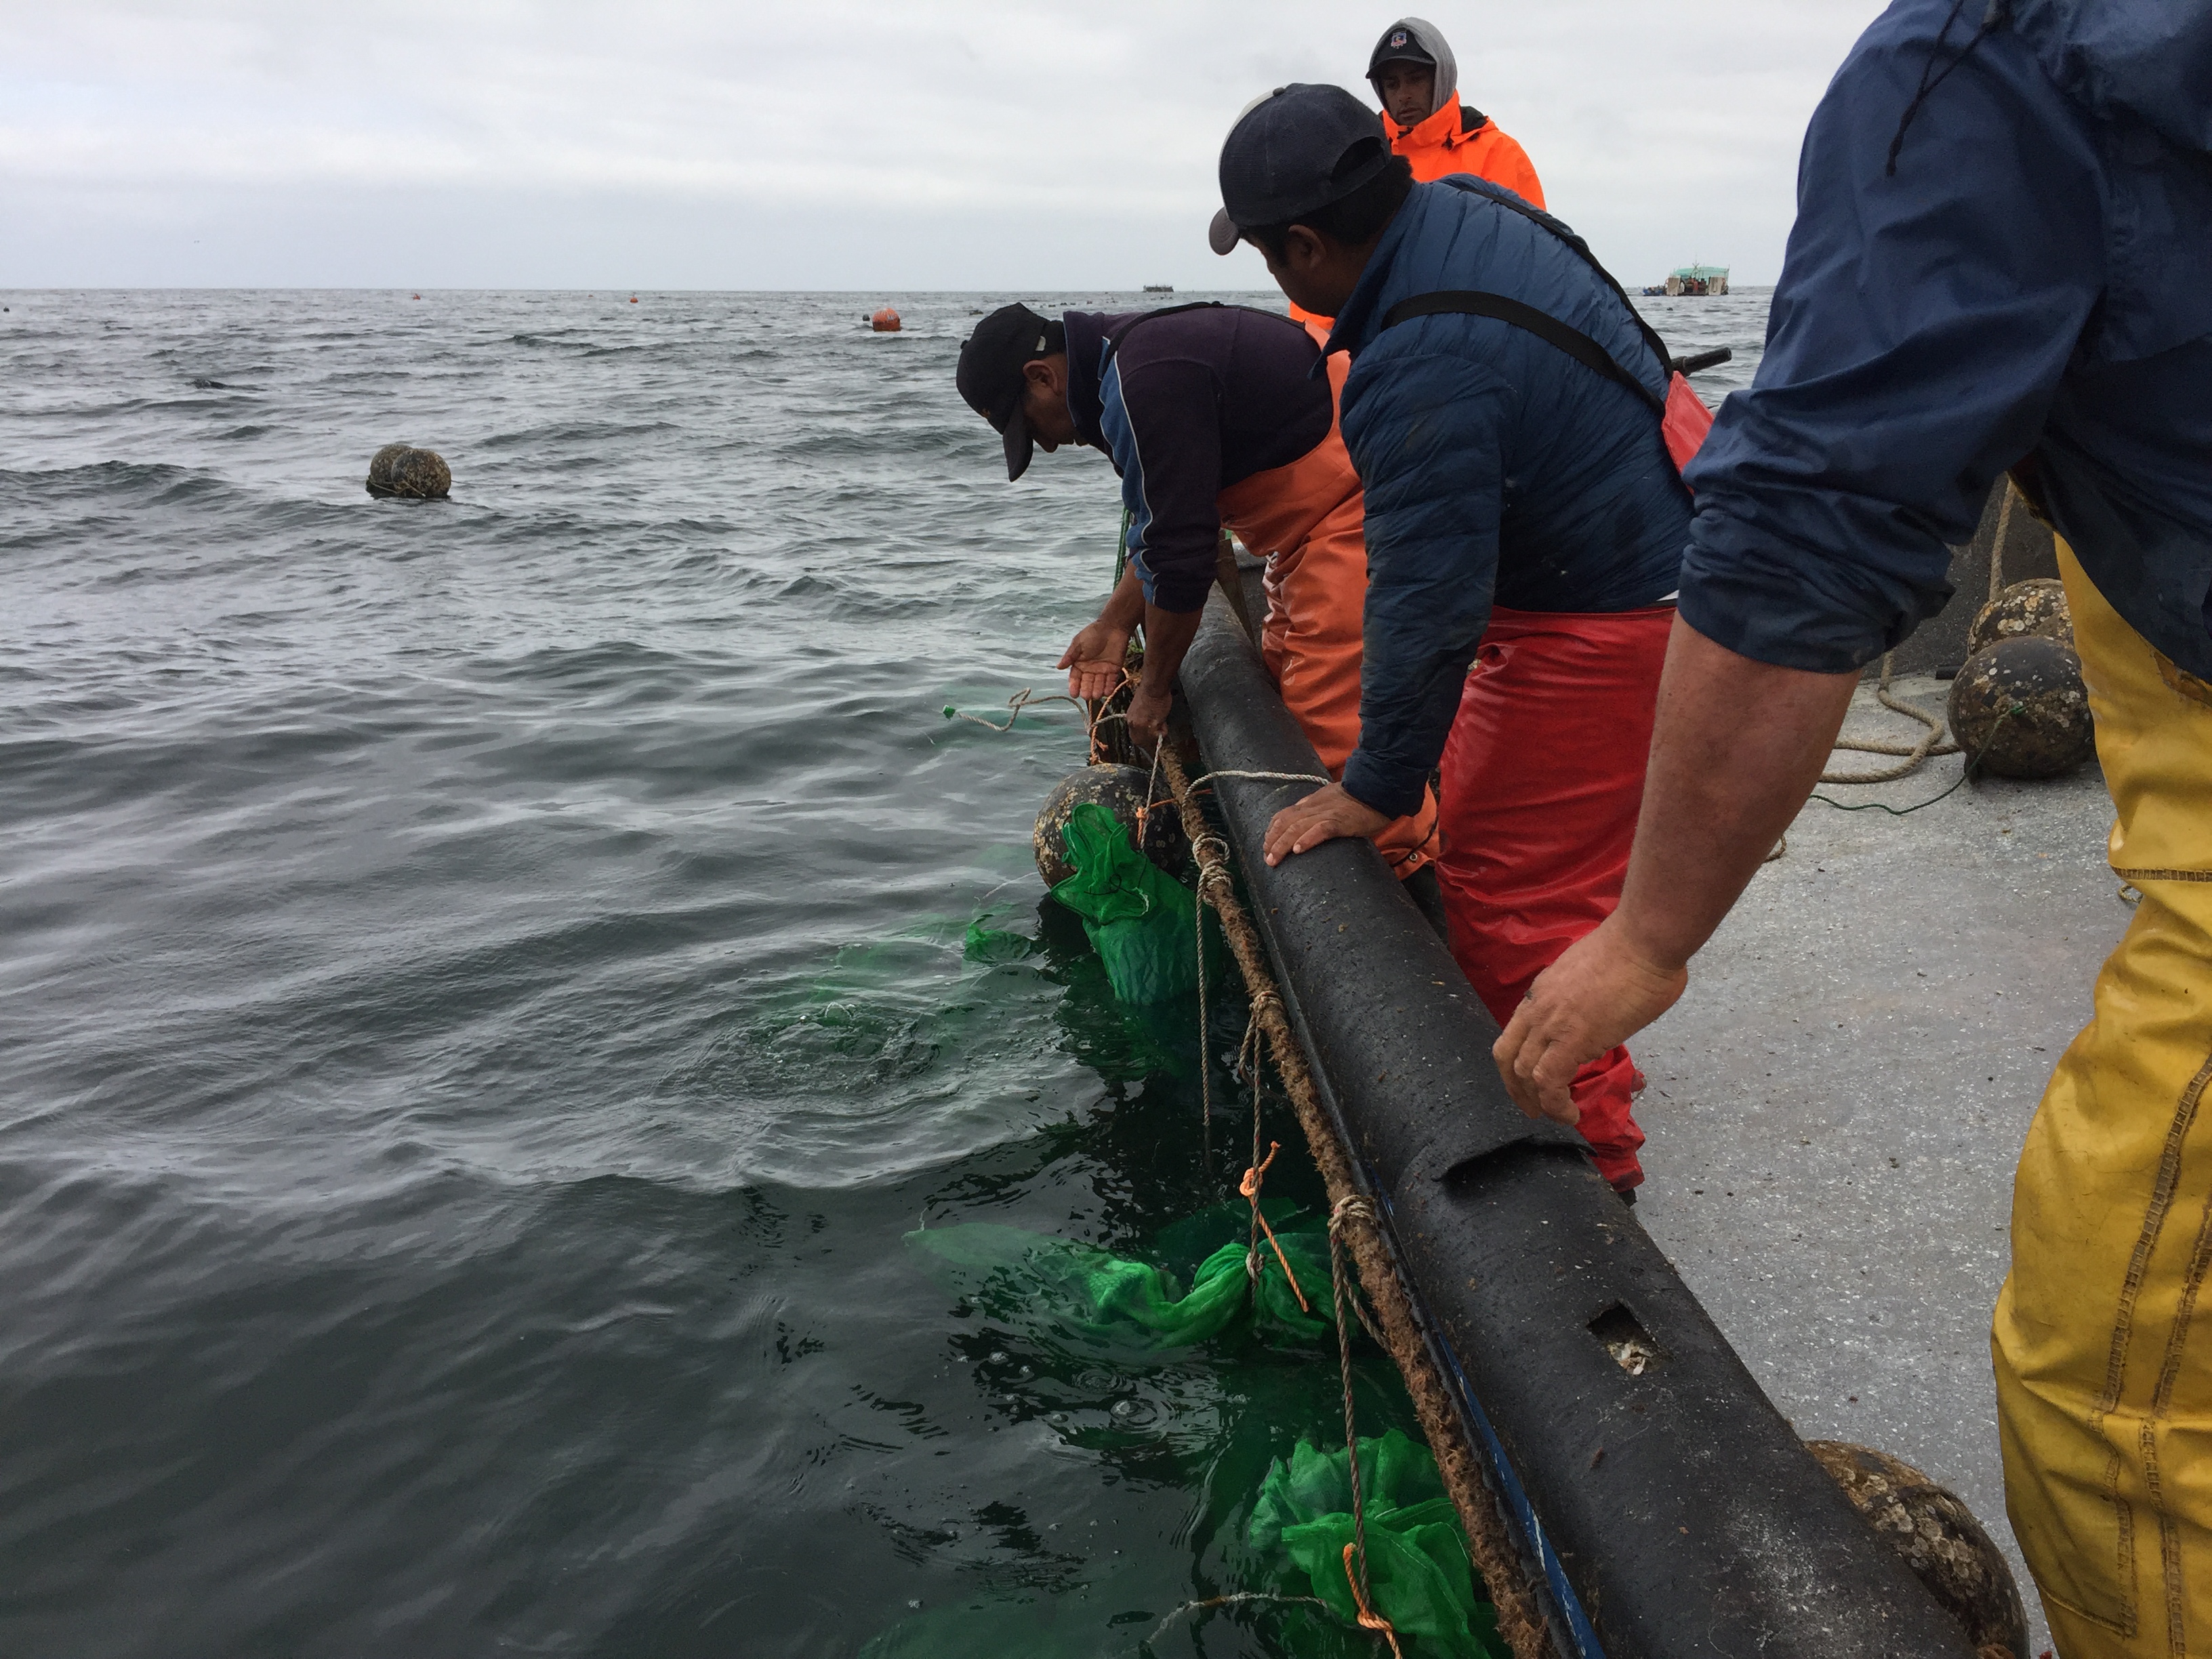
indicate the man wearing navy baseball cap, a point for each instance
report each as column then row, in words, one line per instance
column 1523, row 520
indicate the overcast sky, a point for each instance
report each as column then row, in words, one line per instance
column 879, row 145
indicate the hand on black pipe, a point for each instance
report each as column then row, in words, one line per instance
column 1322, row 816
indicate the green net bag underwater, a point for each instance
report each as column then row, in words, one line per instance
column 1142, row 921
column 1419, row 1573
column 1055, row 1288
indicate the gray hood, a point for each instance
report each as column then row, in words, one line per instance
column 1428, row 38
column 2151, row 59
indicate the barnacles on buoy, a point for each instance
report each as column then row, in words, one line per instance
column 398, row 471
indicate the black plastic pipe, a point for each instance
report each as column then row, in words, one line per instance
column 1703, row 360
column 1676, row 1511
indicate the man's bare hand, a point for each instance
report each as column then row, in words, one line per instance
column 1322, row 816
column 1093, row 660
column 1148, row 715
column 1597, row 995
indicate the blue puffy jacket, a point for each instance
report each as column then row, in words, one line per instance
column 2029, row 286
column 1497, row 469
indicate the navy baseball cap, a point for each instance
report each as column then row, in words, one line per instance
column 990, row 374
column 1295, row 150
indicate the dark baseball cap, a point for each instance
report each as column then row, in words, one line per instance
column 990, row 374
column 1399, row 45
column 1292, row 152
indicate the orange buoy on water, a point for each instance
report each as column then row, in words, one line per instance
column 633, row 299
column 885, row 321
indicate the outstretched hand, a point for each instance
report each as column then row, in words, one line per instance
column 1596, row 996
column 1324, row 815
column 1093, row 660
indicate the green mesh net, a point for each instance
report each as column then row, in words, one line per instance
column 1418, row 1574
column 1141, row 921
column 1080, row 1294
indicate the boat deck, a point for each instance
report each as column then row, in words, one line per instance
column 1836, row 1104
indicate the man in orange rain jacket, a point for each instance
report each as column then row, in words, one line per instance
column 1414, row 74
column 1215, row 419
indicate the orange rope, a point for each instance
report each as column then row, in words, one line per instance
column 1249, row 1187
column 1369, row 1618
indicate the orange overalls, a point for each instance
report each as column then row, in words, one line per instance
column 1306, row 519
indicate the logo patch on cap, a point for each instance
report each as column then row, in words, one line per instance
column 1397, row 37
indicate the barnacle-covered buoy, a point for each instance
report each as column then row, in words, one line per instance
column 409, row 474
column 1121, row 791
column 2018, row 709
column 2035, row 609
column 1936, row 1535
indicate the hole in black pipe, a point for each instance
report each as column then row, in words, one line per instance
column 1625, row 1338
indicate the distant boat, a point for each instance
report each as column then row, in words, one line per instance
column 1159, row 287
column 1694, row 282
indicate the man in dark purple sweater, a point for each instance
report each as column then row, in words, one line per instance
column 1215, row 419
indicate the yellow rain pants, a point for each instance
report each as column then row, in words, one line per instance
column 2103, row 1371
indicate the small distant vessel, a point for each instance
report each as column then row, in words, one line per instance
column 1695, row 282
column 1159, row 287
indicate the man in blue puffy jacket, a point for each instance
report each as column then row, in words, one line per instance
column 2002, row 259
column 1524, row 521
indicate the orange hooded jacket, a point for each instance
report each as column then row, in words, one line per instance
column 1458, row 140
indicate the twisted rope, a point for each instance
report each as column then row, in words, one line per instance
column 1262, row 777
column 1931, row 741
column 1024, row 698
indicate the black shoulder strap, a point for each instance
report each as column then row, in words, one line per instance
column 1474, row 302
column 1582, row 249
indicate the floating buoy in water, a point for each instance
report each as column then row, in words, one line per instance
column 2020, row 706
column 2029, row 609
column 1936, row 1535
column 633, row 299
column 398, row 471
column 418, row 296
column 1120, row 791
column 885, row 321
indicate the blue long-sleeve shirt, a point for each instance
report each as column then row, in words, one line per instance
column 2033, row 284
column 1497, row 468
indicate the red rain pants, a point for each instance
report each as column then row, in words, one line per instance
column 1543, row 777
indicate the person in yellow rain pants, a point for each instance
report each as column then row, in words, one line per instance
column 2005, row 218
column 2106, row 1399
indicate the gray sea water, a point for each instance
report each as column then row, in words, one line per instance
column 486, row 986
